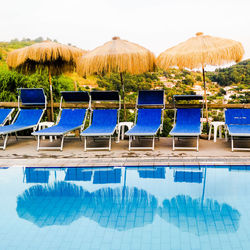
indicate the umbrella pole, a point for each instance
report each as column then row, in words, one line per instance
column 123, row 91
column 51, row 97
column 205, row 95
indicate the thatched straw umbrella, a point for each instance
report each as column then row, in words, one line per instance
column 55, row 57
column 117, row 56
column 200, row 51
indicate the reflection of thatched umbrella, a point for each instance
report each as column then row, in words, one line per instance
column 127, row 207
column 44, row 206
column 38, row 203
column 183, row 211
column 117, row 56
column 200, row 51
column 55, row 57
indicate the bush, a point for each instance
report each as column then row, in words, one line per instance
column 10, row 81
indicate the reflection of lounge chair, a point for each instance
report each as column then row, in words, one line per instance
column 5, row 115
column 149, row 120
column 69, row 119
column 103, row 122
column 152, row 173
column 188, row 176
column 238, row 125
column 78, row 174
column 36, row 175
column 26, row 118
column 187, row 122
column 107, row 176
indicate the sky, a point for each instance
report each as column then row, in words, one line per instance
column 154, row 24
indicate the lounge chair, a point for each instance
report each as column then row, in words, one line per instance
column 103, row 122
column 68, row 119
column 25, row 118
column 148, row 121
column 152, row 173
column 187, row 124
column 78, row 174
column 36, row 175
column 5, row 115
column 238, row 125
column 106, row 176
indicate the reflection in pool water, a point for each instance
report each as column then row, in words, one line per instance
column 185, row 204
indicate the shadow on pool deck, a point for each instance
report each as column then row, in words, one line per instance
column 23, row 152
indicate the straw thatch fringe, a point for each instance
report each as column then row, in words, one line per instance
column 200, row 51
column 116, row 56
column 58, row 57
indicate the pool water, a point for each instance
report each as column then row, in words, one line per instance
column 133, row 208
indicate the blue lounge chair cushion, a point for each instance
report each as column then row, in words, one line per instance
column 27, row 118
column 188, row 123
column 70, row 120
column 237, row 116
column 103, row 123
column 3, row 114
column 148, row 123
column 239, row 130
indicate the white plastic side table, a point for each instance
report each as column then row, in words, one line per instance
column 216, row 126
column 120, row 128
column 43, row 125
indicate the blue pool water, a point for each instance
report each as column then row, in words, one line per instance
column 125, row 208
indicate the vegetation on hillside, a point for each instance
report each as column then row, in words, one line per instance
column 238, row 73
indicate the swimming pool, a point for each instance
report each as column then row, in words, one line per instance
column 171, row 207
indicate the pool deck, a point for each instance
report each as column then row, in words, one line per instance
column 23, row 153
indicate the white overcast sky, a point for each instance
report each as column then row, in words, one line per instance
column 154, row 24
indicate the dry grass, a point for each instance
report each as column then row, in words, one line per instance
column 116, row 56
column 58, row 57
column 200, row 51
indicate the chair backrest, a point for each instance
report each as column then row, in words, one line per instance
column 3, row 114
column 237, row 116
column 150, row 97
column 109, row 96
column 104, row 117
column 72, row 117
column 32, row 97
column 75, row 96
column 189, row 116
column 149, row 117
column 28, row 117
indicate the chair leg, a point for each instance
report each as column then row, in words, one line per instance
column 16, row 136
column 210, row 132
column 153, row 145
column 173, row 144
column 5, row 142
column 129, row 143
column 85, row 143
column 197, row 147
column 62, row 143
column 232, row 143
column 38, row 143
column 109, row 143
